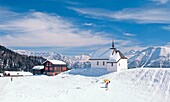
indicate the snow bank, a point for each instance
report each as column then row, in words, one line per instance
column 17, row 73
column 1, row 75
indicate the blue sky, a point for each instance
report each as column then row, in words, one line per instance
column 73, row 27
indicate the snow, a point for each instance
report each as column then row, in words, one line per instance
column 134, row 85
column 38, row 67
column 114, row 58
column 57, row 62
column 150, row 57
column 18, row 73
column 165, row 51
column 103, row 53
column 1, row 74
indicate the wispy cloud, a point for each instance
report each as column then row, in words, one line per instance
column 138, row 15
column 88, row 24
column 127, row 45
column 92, row 12
column 161, row 1
column 166, row 28
column 6, row 14
column 144, row 15
column 40, row 29
column 129, row 34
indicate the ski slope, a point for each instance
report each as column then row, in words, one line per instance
column 134, row 85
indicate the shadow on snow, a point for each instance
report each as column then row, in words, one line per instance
column 91, row 72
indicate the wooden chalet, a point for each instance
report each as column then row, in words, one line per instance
column 53, row 67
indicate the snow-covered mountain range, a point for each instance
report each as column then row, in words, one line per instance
column 81, row 61
column 149, row 57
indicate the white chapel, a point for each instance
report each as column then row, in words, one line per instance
column 110, row 58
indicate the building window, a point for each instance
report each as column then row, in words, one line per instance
column 46, row 68
column 55, row 68
column 51, row 69
column 103, row 63
column 97, row 62
column 63, row 68
column 119, row 64
column 49, row 64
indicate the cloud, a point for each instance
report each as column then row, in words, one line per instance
column 92, row 12
column 166, row 28
column 129, row 34
column 143, row 15
column 161, row 1
column 6, row 14
column 168, row 44
column 138, row 15
column 88, row 24
column 127, row 45
column 41, row 29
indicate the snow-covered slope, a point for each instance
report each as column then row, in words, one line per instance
column 149, row 57
column 134, row 85
column 81, row 61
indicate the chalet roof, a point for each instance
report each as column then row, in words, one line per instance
column 110, row 54
column 38, row 67
column 57, row 62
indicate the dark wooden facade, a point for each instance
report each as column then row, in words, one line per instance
column 38, row 72
column 53, row 69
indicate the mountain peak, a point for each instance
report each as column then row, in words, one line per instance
column 150, row 57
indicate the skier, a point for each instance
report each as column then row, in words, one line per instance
column 106, row 83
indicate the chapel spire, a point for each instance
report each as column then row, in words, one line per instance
column 113, row 45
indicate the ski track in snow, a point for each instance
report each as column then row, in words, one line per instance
column 167, row 92
column 161, row 76
column 134, row 85
column 140, row 77
column 153, row 78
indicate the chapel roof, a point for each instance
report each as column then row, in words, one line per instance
column 107, row 54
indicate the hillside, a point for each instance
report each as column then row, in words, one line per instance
column 134, row 85
column 150, row 57
column 10, row 60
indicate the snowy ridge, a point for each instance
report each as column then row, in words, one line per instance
column 134, row 85
column 81, row 61
column 149, row 57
